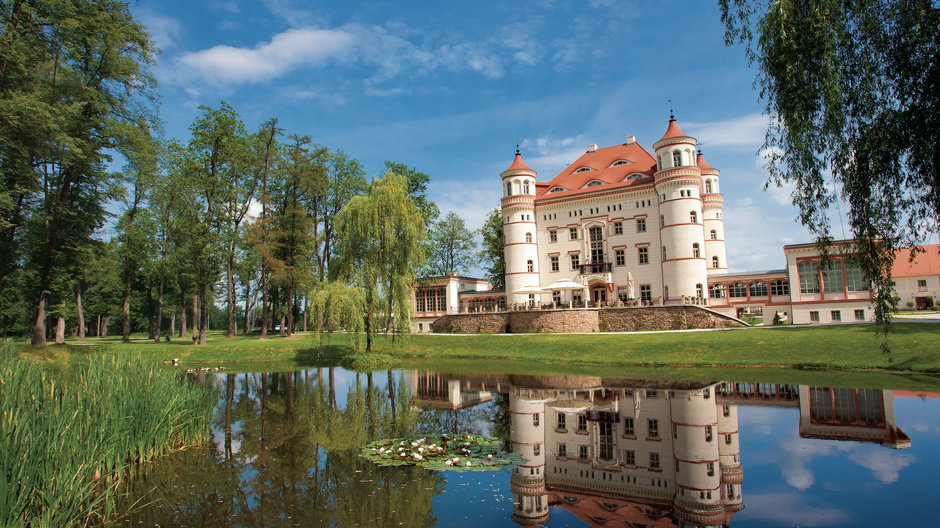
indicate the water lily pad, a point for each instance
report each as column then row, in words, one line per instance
column 442, row 453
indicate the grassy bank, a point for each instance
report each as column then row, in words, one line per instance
column 914, row 347
column 69, row 434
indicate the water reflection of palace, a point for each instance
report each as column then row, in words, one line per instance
column 641, row 453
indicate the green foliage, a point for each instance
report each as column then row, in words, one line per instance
column 493, row 252
column 852, row 89
column 80, row 431
column 380, row 247
column 453, row 249
column 443, row 453
column 337, row 306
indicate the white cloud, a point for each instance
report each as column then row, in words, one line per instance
column 886, row 466
column 744, row 202
column 164, row 30
column 746, row 130
column 793, row 509
column 268, row 60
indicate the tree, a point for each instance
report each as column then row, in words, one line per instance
column 492, row 254
column 76, row 70
column 380, row 246
column 853, row 94
column 453, row 249
column 345, row 179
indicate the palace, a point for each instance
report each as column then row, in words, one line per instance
column 622, row 226
column 627, row 223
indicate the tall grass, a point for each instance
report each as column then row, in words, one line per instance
column 67, row 438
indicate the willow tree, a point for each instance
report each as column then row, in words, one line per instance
column 380, row 236
column 337, row 306
column 853, row 93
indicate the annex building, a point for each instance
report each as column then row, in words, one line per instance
column 624, row 226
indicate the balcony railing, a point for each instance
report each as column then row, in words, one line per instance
column 595, row 267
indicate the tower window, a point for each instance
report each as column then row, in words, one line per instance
column 664, row 252
column 695, row 250
column 715, row 262
column 708, row 186
column 508, row 188
column 714, row 234
column 677, row 159
column 693, row 217
column 525, row 187
column 528, row 237
column 529, row 266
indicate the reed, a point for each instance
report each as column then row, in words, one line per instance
column 68, row 437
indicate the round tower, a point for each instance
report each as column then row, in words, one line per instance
column 696, row 451
column 678, row 184
column 712, row 207
column 527, row 482
column 520, row 245
column 729, row 450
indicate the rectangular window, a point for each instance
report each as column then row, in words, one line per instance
column 652, row 428
column 814, row 316
column 535, row 420
column 582, row 423
column 561, row 421
column 836, row 315
column 727, row 439
column 708, row 433
column 641, row 225
column 628, row 426
column 618, row 228
column 855, row 278
column 562, row 450
column 630, row 458
column 583, row 452
column 710, row 468
column 646, row 292
column 859, row 315
column 620, row 257
column 809, row 276
column 554, row 262
column 553, row 236
column 832, row 276
column 575, row 261
column 921, row 284
column 643, row 254
column 573, row 233
column 654, row 460
column 419, row 300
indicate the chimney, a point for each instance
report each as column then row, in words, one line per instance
column 631, row 140
column 592, row 147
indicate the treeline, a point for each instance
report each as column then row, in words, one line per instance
column 266, row 226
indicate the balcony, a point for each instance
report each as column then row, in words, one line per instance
column 595, row 267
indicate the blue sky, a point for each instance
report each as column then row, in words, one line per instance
column 451, row 87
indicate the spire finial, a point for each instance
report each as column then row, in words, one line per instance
column 672, row 116
column 517, row 149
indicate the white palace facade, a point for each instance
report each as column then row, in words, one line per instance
column 625, row 223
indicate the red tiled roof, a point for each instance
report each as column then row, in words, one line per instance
column 926, row 262
column 518, row 164
column 702, row 164
column 601, row 161
column 673, row 131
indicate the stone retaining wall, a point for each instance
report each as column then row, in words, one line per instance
column 585, row 320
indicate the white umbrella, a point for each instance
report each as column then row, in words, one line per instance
column 565, row 284
column 530, row 290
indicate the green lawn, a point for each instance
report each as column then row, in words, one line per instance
column 914, row 350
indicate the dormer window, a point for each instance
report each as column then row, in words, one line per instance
column 635, row 176
column 594, row 183
column 583, row 169
column 557, row 189
column 620, row 162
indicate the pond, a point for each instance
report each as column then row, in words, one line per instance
column 595, row 451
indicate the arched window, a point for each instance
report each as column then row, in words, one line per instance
column 695, row 250
column 529, row 266
column 693, row 217
column 525, row 187
column 708, row 186
column 715, row 262
column 557, row 189
column 714, row 234
column 594, row 183
column 676, row 159
column 528, row 237
column 508, row 188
